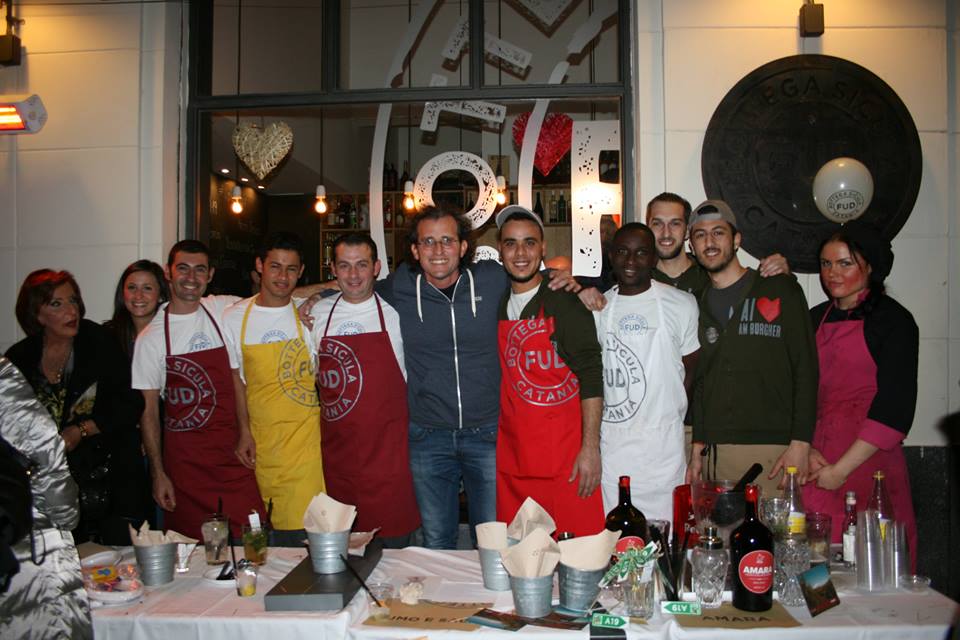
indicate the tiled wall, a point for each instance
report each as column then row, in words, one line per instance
column 89, row 193
column 691, row 52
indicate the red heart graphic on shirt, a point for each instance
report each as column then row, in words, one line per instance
column 769, row 309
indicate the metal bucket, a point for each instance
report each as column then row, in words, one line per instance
column 579, row 589
column 156, row 563
column 326, row 549
column 495, row 576
column 532, row 596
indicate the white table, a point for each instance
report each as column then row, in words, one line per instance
column 192, row 608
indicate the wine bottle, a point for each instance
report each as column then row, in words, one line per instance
column 850, row 530
column 561, row 209
column 751, row 555
column 628, row 520
column 553, row 207
column 538, row 206
column 797, row 519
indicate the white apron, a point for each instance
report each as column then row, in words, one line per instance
column 641, row 435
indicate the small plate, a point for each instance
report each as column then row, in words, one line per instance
column 131, row 591
column 101, row 559
column 210, row 576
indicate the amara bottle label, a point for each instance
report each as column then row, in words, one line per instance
column 756, row 571
column 629, row 542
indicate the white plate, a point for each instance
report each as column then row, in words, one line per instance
column 118, row 597
column 210, row 576
column 103, row 558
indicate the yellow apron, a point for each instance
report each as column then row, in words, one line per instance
column 285, row 422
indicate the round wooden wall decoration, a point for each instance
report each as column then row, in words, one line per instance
column 779, row 124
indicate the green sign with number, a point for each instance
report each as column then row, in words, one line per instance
column 681, row 608
column 608, row 621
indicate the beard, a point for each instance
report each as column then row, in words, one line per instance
column 672, row 254
column 522, row 279
column 725, row 260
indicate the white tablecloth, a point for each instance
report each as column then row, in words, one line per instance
column 193, row 608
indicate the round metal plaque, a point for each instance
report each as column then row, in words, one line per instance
column 779, row 124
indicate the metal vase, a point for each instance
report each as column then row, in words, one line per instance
column 532, row 596
column 579, row 589
column 495, row 576
column 326, row 549
column 157, row 563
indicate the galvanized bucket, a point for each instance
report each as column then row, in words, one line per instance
column 326, row 549
column 495, row 576
column 579, row 589
column 532, row 596
column 156, row 563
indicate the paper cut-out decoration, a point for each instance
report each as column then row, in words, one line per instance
column 459, row 161
column 554, row 142
column 545, row 12
column 488, row 111
column 261, row 150
column 485, row 252
column 589, row 197
column 496, row 50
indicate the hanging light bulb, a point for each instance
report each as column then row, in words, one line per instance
column 501, row 196
column 408, row 202
column 320, row 206
column 236, row 196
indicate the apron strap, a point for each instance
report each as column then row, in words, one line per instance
column 166, row 329
column 243, row 324
column 166, row 326
column 330, row 315
column 383, row 325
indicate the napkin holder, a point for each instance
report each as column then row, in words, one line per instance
column 304, row 590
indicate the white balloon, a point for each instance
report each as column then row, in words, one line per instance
column 843, row 189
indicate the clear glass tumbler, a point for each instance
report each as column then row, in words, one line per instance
column 216, row 537
column 709, row 572
column 637, row 595
column 793, row 559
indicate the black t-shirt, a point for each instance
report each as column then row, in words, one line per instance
column 722, row 301
column 892, row 339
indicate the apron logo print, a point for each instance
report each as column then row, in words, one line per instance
column 534, row 365
column 339, row 377
column 199, row 342
column 769, row 309
column 192, row 389
column 633, row 324
column 295, row 367
column 625, row 384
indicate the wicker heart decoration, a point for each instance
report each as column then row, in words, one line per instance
column 554, row 142
column 262, row 150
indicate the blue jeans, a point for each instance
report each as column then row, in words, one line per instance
column 439, row 460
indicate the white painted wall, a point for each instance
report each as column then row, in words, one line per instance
column 91, row 191
column 691, row 52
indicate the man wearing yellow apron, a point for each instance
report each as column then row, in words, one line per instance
column 278, row 410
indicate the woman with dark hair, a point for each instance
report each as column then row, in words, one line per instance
column 140, row 291
column 82, row 378
column 867, row 345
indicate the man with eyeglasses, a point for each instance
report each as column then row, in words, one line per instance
column 552, row 389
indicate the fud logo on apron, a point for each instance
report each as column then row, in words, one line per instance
column 625, row 385
column 196, row 393
column 293, row 370
column 340, row 374
column 530, row 364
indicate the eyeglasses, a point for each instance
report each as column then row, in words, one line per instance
column 446, row 242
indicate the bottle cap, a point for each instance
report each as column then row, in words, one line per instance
column 624, row 481
column 791, row 470
column 710, row 539
column 878, row 475
column 851, row 497
column 566, row 535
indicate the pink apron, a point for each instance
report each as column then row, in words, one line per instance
column 848, row 384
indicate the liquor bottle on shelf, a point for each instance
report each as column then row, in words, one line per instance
column 332, row 207
column 553, row 207
column 879, row 502
column 850, row 530
column 538, row 207
column 797, row 519
column 751, row 555
column 353, row 216
column 406, row 173
column 561, row 209
column 628, row 520
column 387, row 211
column 391, row 178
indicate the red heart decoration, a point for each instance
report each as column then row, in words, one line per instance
column 769, row 309
column 554, row 141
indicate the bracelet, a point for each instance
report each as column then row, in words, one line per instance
column 83, row 429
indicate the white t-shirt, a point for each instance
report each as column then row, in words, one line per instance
column 631, row 379
column 265, row 325
column 517, row 301
column 188, row 333
column 352, row 319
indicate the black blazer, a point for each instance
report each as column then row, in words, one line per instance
column 98, row 359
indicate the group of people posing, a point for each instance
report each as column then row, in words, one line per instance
column 506, row 379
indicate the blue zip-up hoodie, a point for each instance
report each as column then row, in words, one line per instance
column 450, row 347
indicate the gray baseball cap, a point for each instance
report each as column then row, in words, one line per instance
column 515, row 209
column 710, row 210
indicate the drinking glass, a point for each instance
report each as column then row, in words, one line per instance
column 774, row 513
column 255, row 543
column 216, row 537
column 818, row 536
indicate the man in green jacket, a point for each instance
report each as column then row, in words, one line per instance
column 755, row 388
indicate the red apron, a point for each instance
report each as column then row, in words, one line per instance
column 848, row 384
column 363, row 397
column 540, row 429
column 200, row 438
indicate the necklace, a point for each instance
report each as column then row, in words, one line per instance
column 57, row 371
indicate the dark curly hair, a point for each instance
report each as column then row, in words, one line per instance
column 464, row 229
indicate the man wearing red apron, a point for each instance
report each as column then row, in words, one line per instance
column 551, row 392
column 363, row 397
column 182, row 352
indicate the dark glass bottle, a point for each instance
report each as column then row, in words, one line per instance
column 628, row 520
column 751, row 556
column 538, row 206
